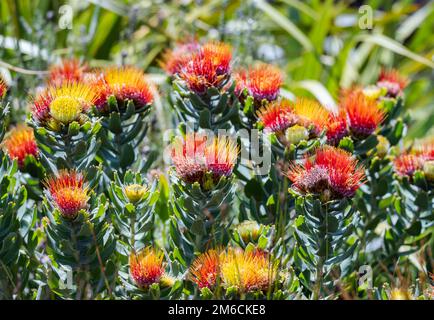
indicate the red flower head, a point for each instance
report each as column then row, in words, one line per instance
column 147, row 267
column 178, row 58
column 332, row 174
column 20, row 143
column 262, row 82
column 277, row 116
column 311, row 114
column 67, row 71
column 196, row 158
column 364, row 113
column 68, row 192
column 125, row 83
column 208, row 67
column 205, row 269
column 392, row 81
column 406, row 164
column 337, row 127
column 3, row 87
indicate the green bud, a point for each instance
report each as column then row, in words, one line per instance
column 383, row 146
column 428, row 169
column 296, row 133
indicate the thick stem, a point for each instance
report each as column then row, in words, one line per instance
column 318, row 279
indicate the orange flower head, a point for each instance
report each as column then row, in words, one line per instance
column 392, row 81
column 20, row 143
column 147, row 267
column 176, row 59
column 3, row 88
column 406, row 164
column 197, row 158
column 125, row 83
column 262, row 82
column 277, row 116
column 205, row 269
column 208, row 67
column 311, row 114
column 65, row 103
column 68, row 192
column 364, row 114
column 337, row 127
column 69, row 70
column 248, row 271
column 332, row 174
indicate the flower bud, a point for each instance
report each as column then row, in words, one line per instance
column 135, row 192
column 296, row 133
column 428, row 169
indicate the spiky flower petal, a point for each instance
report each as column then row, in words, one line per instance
column 311, row 114
column 174, row 60
column 125, row 83
column 3, row 87
column 337, row 128
column 64, row 104
column 205, row 269
column 68, row 192
column 248, row 271
column 20, row 143
column 197, row 158
column 332, row 174
column 364, row 114
column 69, row 70
column 147, row 267
column 277, row 116
column 392, row 81
column 263, row 82
column 208, row 67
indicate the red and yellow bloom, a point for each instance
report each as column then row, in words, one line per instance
column 332, row 174
column 20, row 143
column 392, row 81
column 247, row 271
column 277, row 116
column 63, row 104
column 174, row 60
column 364, row 114
column 3, row 88
column 337, row 127
column 147, row 267
column 199, row 159
column 208, row 67
column 124, row 83
column 68, row 192
column 69, row 70
column 311, row 114
column 205, row 270
column 262, row 82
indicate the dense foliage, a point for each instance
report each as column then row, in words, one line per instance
column 270, row 151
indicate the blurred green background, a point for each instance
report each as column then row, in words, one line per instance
column 322, row 46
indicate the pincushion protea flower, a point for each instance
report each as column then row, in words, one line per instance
column 205, row 270
column 208, row 67
column 198, row 159
column 392, row 81
column 311, row 114
column 364, row 114
column 407, row 163
column 20, row 143
column 332, row 174
column 248, row 271
column 125, row 83
column 68, row 192
column 277, row 116
column 337, row 127
column 174, row 60
column 147, row 267
column 262, row 82
column 63, row 104
column 69, row 70
column 3, row 87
